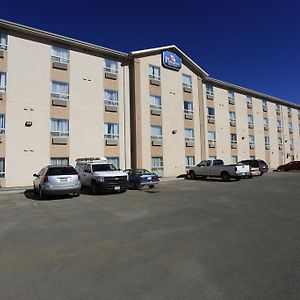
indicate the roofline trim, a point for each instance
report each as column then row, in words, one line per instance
column 157, row 49
column 41, row 33
column 251, row 92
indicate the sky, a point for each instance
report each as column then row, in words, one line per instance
column 254, row 44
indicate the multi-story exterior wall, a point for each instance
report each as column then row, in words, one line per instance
column 61, row 99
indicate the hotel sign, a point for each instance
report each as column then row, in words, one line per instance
column 171, row 60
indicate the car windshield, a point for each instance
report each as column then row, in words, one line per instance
column 143, row 172
column 103, row 167
column 61, row 171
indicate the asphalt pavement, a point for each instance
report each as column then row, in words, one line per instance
column 181, row 240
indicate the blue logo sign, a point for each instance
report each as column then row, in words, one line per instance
column 171, row 60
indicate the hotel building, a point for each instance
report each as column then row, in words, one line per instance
column 61, row 99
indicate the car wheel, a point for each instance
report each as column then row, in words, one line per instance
column 238, row 178
column 41, row 194
column 192, row 175
column 151, row 186
column 225, row 176
column 261, row 174
column 131, row 185
column 76, row 194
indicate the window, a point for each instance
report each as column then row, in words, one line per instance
column 111, row 130
column 231, row 94
column 264, row 104
column 211, row 137
column 290, row 127
column 2, row 81
column 155, row 102
column 278, row 123
column 157, row 163
column 289, row 110
column 59, row 127
column 267, row 140
column 188, row 107
column 233, row 138
column 2, row 124
column 234, row 159
column 156, row 132
column 210, row 113
column 291, row 142
column 252, row 157
column 209, row 89
column 251, row 140
column 250, row 120
column 60, row 90
column 114, row 161
column 279, row 141
column 187, row 81
column 249, row 101
column 266, row 122
column 111, row 97
column 189, row 134
column 189, row 161
column 232, row 117
column 3, row 40
column 2, row 167
column 212, row 157
column 278, row 108
column 60, row 161
column 60, row 54
column 154, row 72
column 110, row 66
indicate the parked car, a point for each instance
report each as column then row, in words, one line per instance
column 57, row 180
column 216, row 168
column 254, row 164
column 290, row 166
column 141, row 177
column 98, row 175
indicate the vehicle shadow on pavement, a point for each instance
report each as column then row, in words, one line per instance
column 30, row 194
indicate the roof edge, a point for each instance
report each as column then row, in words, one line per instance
column 8, row 25
column 145, row 52
column 251, row 92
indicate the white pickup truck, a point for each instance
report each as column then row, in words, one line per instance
column 216, row 168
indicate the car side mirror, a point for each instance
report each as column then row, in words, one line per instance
column 36, row 175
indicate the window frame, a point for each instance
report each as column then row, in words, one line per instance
column 59, row 95
column 59, row 132
column 152, row 74
column 3, row 36
column 57, row 58
column 187, row 84
column 159, row 166
column 111, row 101
column 3, row 87
column 108, row 68
column 156, row 137
column 108, row 135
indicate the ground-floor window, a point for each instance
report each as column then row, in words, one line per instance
column 2, row 167
column 189, row 161
column 234, row 159
column 114, row 161
column 157, row 163
column 60, row 161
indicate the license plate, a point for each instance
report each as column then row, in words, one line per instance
column 117, row 188
column 243, row 174
column 63, row 179
column 149, row 178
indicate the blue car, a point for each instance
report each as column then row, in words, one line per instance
column 141, row 177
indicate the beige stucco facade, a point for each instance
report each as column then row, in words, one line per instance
column 27, row 97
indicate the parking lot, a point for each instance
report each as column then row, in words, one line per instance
column 183, row 239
